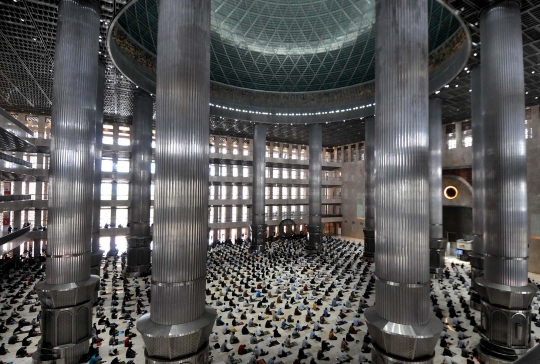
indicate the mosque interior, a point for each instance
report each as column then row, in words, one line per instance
column 269, row 182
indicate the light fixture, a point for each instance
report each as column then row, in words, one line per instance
column 451, row 192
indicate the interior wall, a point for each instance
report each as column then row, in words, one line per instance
column 353, row 199
column 533, row 189
column 457, row 220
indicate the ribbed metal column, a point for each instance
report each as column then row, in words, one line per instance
column 97, row 253
column 17, row 214
column 315, row 182
column 401, row 323
column 66, row 293
column 505, row 291
column 138, row 252
column 369, row 166
column 36, row 249
column 258, row 222
column 477, row 256
column 178, row 327
column 437, row 242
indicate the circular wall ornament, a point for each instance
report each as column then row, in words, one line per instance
column 451, row 192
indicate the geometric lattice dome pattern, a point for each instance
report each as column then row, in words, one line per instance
column 288, row 45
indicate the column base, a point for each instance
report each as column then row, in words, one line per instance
column 258, row 238
column 506, row 320
column 477, row 271
column 437, row 251
column 369, row 243
column 183, row 343
column 66, row 354
column 379, row 357
column 136, row 271
column 494, row 354
column 397, row 343
column 202, row 357
column 313, row 245
column 66, row 322
column 95, row 262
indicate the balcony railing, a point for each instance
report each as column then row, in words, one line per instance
column 12, row 159
column 6, row 198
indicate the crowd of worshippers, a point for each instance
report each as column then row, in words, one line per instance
column 280, row 306
column 19, row 274
column 269, row 302
column 241, row 239
column 124, row 306
column 17, row 295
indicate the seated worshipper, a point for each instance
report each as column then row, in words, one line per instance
column 224, row 347
column 295, row 334
column 245, row 330
column 113, row 351
column 344, row 345
column 321, row 356
column 26, row 341
column 270, row 342
column 305, row 344
column 253, row 339
column 276, row 332
column 343, row 358
column 314, row 336
column 301, row 354
column 287, row 343
column 362, row 357
column 230, row 359
column 331, row 335
column 242, row 349
column 281, row 352
column 3, row 350
column 233, row 339
column 22, row 353
column 226, row 329
column 300, row 327
column 259, row 351
column 130, row 353
column 95, row 359
column 214, row 337
column 447, row 352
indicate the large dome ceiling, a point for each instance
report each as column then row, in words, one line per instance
column 288, row 45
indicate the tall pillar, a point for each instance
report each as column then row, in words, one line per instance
column 36, row 249
column 258, row 221
column 66, row 294
column 504, row 288
column 138, row 252
column 314, row 228
column 401, row 323
column 97, row 253
column 369, row 159
column 181, row 193
column 17, row 214
column 477, row 256
column 437, row 242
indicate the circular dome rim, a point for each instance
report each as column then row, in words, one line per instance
column 363, row 106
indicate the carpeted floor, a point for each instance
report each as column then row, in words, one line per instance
column 246, row 285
